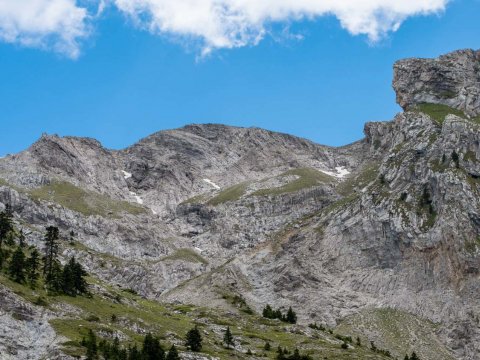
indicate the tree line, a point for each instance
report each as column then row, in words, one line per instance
column 25, row 265
column 289, row 317
column 151, row 348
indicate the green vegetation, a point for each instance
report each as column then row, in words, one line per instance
column 194, row 339
column 84, row 201
column 228, row 338
column 232, row 193
column 396, row 330
column 307, row 178
column 198, row 199
column 290, row 317
column 438, row 112
column 24, row 265
column 358, row 181
column 186, row 255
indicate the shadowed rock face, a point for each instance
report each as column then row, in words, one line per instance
column 250, row 212
column 452, row 79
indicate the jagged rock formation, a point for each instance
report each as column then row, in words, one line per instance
column 389, row 223
column 452, row 79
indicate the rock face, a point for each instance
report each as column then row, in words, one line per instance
column 391, row 222
column 452, row 79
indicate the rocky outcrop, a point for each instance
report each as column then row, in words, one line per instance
column 452, row 80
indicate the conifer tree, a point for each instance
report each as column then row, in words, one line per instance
column 91, row 344
column 194, row 339
column 16, row 268
column 79, row 277
column 296, row 355
column 152, row 350
column 134, row 353
column 280, row 354
column 228, row 338
column 267, row 312
column 21, row 239
column 291, row 316
column 6, row 226
column 406, row 357
column 173, row 354
column 414, row 356
column 51, row 252
column 267, row 346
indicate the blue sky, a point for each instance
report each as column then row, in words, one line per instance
column 127, row 83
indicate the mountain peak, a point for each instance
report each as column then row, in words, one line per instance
column 452, row 79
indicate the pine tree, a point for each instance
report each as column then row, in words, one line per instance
column 194, row 339
column 21, row 239
column 79, row 278
column 68, row 282
column 54, row 280
column 91, row 344
column 134, row 354
column 414, row 356
column 291, row 316
column 51, row 252
column 267, row 312
column 359, row 342
column 267, row 346
column 16, row 268
column 280, row 354
column 152, row 350
column 296, row 355
column 406, row 357
column 228, row 338
column 173, row 354
column 6, row 226
column 32, row 265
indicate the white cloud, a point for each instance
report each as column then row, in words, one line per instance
column 236, row 23
column 61, row 24
column 49, row 24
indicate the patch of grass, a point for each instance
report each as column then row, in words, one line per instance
column 84, row 201
column 188, row 255
column 397, row 331
column 197, row 199
column 358, row 180
column 231, row 193
column 438, row 112
column 307, row 178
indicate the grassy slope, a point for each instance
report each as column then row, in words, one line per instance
column 307, row 178
column 229, row 194
column 400, row 331
column 134, row 315
column 438, row 112
column 84, row 201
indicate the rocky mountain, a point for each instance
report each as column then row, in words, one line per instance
column 379, row 239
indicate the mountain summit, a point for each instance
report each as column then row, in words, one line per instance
column 379, row 239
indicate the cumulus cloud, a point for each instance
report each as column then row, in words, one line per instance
column 50, row 24
column 236, row 23
column 212, row 23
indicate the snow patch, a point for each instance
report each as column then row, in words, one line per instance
column 137, row 198
column 154, row 212
column 340, row 172
column 126, row 175
column 198, row 249
column 210, row 182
